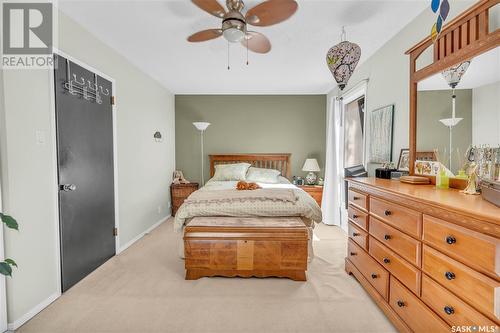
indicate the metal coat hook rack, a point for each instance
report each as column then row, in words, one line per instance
column 87, row 89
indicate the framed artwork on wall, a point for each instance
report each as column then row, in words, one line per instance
column 380, row 134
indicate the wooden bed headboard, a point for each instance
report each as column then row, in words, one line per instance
column 280, row 162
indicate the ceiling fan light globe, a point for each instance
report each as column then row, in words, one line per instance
column 234, row 35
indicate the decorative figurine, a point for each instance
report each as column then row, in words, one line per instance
column 472, row 183
column 179, row 178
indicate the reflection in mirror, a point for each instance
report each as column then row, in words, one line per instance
column 494, row 18
column 456, row 113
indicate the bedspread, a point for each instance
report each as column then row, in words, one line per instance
column 304, row 205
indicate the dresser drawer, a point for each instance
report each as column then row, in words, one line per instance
column 357, row 216
column 358, row 199
column 413, row 311
column 400, row 217
column 477, row 289
column 404, row 245
column 358, row 235
column 371, row 270
column 470, row 247
column 403, row 270
column 451, row 308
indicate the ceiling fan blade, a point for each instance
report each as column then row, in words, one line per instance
column 257, row 42
column 210, row 6
column 271, row 12
column 205, row 35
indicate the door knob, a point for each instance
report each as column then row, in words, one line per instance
column 67, row 187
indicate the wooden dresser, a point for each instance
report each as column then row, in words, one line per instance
column 315, row 191
column 429, row 258
column 179, row 193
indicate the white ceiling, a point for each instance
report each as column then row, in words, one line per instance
column 483, row 69
column 152, row 35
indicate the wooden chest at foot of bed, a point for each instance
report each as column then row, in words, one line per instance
column 246, row 247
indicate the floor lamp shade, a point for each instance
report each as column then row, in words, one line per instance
column 201, row 126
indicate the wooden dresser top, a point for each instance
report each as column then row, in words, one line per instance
column 451, row 199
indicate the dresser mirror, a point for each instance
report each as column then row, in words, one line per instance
column 457, row 110
column 460, row 67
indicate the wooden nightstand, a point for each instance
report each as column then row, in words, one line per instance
column 179, row 193
column 315, row 191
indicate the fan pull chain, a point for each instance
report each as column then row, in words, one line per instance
column 247, row 49
column 228, row 59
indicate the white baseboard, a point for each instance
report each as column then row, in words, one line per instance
column 33, row 312
column 135, row 239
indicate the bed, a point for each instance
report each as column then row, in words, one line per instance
column 273, row 201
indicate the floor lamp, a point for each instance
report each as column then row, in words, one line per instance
column 201, row 126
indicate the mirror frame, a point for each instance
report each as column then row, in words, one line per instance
column 463, row 38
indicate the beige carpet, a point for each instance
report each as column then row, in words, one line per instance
column 143, row 290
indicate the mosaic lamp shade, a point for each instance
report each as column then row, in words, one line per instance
column 342, row 59
column 453, row 74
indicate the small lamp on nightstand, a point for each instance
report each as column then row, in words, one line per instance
column 311, row 165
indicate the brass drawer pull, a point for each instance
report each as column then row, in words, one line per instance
column 353, row 253
column 386, row 260
column 355, row 198
column 354, row 234
column 374, row 276
column 354, row 216
column 449, row 310
column 451, row 240
column 387, row 237
column 449, row 275
column 387, row 212
column 401, row 304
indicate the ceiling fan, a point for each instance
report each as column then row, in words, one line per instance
column 234, row 23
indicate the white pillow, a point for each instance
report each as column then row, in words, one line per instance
column 261, row 175
column 225, row 172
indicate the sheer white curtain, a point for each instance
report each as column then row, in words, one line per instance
column 331, row 191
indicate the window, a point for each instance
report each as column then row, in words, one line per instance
column 354, row 116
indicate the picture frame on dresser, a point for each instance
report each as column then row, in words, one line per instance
column 404, row 160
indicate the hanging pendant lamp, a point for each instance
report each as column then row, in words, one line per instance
column 452, row 76
column 342, row 59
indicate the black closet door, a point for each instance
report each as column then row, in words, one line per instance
column 86, row 184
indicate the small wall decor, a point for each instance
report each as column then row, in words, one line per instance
column 380, row 122
column 404, row 160
column 443, row 6
column 157, row 136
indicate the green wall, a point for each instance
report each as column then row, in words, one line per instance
column 293, row 124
